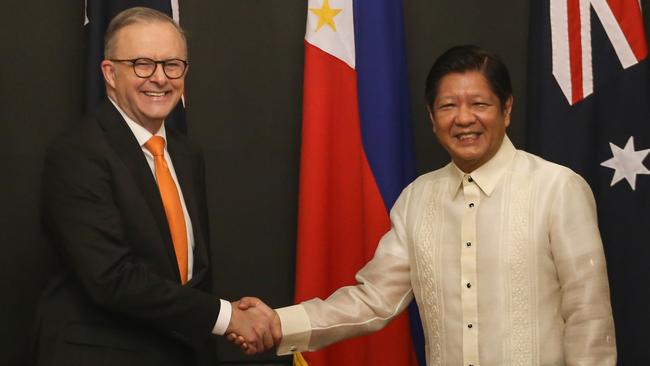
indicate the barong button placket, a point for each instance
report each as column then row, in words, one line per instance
column 468, row 269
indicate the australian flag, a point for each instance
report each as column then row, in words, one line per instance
column 98, row 14
column 589, row 109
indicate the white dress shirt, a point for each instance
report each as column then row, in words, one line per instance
column 506, row 264
column 142, row 135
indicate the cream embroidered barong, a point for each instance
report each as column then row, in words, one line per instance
column 506, row 265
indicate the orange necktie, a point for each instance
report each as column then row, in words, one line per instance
column 172, row 203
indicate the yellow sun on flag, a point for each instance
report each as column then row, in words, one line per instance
column 325, row 15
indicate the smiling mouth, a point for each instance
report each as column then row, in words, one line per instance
column 155, row 94
column 467, row 136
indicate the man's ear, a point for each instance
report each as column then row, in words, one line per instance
column 507, row 109
column 108, row 70
column 433, row 121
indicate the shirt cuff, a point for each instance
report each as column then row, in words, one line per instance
column 223, row 320
column 296, row 329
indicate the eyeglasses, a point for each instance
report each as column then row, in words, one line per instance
column 145, row 67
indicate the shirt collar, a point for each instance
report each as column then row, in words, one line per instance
column 142, row 135
column 489, row 174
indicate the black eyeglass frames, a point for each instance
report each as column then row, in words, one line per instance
column 145, row 67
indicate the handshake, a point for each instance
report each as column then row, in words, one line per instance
column 254, row 327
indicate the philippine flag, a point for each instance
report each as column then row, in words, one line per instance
column 356, row 158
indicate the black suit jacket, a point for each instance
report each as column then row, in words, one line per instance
column 115, row 296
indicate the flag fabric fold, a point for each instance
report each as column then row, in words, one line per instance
column 589, row 109
column 356, row 158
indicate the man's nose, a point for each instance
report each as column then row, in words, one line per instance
column 465, row 115
column 158, row 75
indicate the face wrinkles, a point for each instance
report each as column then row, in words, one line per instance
column 468, row 119
column 148, row 101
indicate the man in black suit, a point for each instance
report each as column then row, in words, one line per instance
column 132, row 277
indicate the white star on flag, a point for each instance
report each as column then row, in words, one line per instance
column 627, row 162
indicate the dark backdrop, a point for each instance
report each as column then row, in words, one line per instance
column 244, row 107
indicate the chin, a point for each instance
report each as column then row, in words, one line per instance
column 158, row 113
column 470, row 154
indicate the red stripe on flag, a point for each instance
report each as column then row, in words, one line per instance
column 341, row 215
column 628, row 14
column 575, row 50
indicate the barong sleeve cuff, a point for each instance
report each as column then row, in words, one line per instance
column 296, row 329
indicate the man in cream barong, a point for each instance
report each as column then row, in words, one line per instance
column 500, row 248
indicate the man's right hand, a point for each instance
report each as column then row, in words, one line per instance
column 254, row 327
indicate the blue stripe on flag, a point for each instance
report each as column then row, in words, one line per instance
column 384, row 108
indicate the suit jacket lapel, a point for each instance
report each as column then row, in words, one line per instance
column 126, row 146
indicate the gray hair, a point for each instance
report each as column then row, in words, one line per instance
column 138, row 14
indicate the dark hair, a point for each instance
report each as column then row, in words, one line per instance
column 461, row 59
column 135, row 15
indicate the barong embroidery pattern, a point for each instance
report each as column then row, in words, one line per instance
column 521, row 265
column 427, row 257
